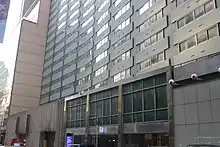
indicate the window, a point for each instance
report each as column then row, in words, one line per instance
column 122, row 11
column 189, row 18
column 160, row 35
column 149, row 99
column 104, row 107
column 63, row 8
column 74, row 5
column 161, row 97
column 102, row 42
column 103, row 16
column 150, row 21
column 209, row 6
column 183, row 46
column 127, row 103
column 153, row 39
column 103, row 5
column 87, row 22
column 149, row 41
column 146, row 6
column 101, row 84
column 101, row 56
column 122, row 41
column 121, row 75
column 145, row 105
column 74, row 14
column 89, row 10
column 61, row 25
column 199, row 12
column 122, row 58
column 199, row 37
column 62, row 16
column 151, row 61
column 181, row 23
column 74, row 22
column 159, row 15
column 86, row 3
column 179, row 2
column 76, row 112
column 117, row 2
column 137, row 102
column 202, row 36
column 191, row 42
column 213, row 32
column 84, row 80
column 100, row 70
column 102, row 29
column 90, row 30
column 62, row 1
column 122, row 25
column 84, row 67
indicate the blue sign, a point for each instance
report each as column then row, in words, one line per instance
column 4, row 6
column 69, row 141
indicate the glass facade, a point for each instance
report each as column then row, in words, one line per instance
column 143, row 101
column 146, row 100
column 76, row 113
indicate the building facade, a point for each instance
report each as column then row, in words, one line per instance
column 123, row 64
column 28, row 36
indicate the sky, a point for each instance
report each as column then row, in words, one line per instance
column 8, row 48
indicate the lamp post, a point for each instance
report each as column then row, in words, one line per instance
column 97, row 133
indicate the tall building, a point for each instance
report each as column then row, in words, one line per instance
column 4, row 99
column 132, row 72
column 26, row 28
column 113, row 61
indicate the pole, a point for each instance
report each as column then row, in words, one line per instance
column 97, row 134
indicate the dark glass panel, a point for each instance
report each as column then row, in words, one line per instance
column 137, row 101
column 161, row 97
column 114, row 91
column 107, row 93
column 92, row 109
column 137, row 85
column 149, row 99
column 106, row 107
column 149, row 82
column 114, row 119
column 138, row 117
column 92, row 122
column 127, row 103
column 106, row 121
column 114, row 105
column 160, row 79
column 127, row 118
column 127, row 88
column 99, row 108
column 162, row 114
column 149, row 116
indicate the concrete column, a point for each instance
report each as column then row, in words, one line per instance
column 60, row 128
column 120, row 117
column 87, row 120
column 170, row 105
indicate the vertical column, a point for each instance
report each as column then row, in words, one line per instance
column 170, row 105
column 120, row 117
column 60, row 128
column 87, row 120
